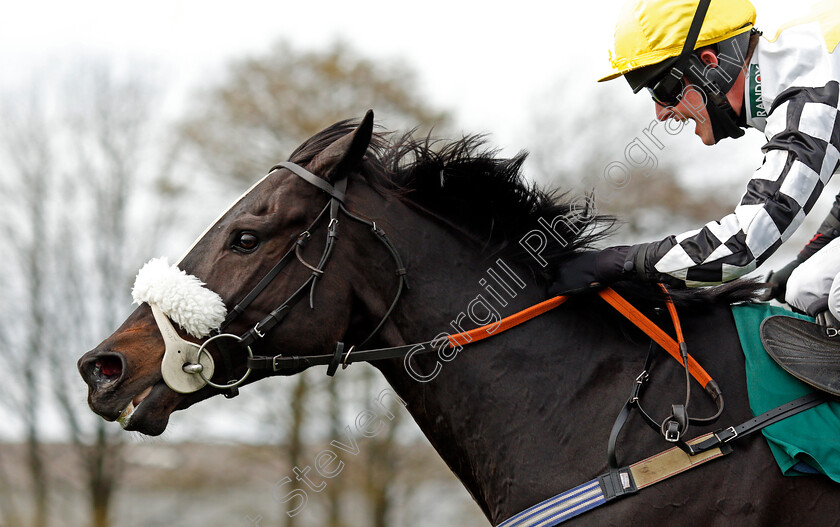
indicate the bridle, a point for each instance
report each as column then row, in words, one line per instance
column 617, row 482
column 229, row 342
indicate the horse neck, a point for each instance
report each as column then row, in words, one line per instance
column 508, row 413
column 501, row 393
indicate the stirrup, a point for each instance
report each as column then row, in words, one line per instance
column 808, row 351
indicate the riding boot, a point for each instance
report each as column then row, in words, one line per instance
column 810, row 351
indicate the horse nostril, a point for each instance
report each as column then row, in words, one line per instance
column 109, row 366
column 102, row 368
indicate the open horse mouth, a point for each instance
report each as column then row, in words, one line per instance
column 108, row 369
column 141, row 403
column 128, row 411
column 147, row 411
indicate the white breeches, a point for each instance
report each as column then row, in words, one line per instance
column 816, row 278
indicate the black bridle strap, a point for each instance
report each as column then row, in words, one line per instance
column 278, row 314
column 339, row 356
column 336, row 192
column 280, row 363
column 226, row 348
column 240, row 308
column 400, row 271
column 335, row 206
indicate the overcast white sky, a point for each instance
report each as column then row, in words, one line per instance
column 484, row 60
column 489, row 62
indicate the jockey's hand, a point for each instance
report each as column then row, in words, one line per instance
column 589, row 270
column 777, row 282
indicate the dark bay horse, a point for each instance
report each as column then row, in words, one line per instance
column 518, row 417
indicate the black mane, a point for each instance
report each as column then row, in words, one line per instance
column 487, row 200
column 468, row 186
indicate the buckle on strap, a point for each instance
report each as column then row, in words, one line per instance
column 672, row 432
column 730, row 434
column 637, row 386
column 676, row 424
column 347, row 356
column 617, row 483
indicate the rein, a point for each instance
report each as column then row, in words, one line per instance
column 616, row 483
column 672, row 428
column 200, row 362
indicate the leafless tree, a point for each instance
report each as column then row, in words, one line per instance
column 266, row 106
column 74, row 154
column 25, row 220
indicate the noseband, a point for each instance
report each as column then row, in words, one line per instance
column 229, row 343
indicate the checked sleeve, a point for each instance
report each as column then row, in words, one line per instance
column 802, row 152
column 829, row 230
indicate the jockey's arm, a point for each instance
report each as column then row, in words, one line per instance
column 802, row 152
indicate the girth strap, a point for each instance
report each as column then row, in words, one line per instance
column 629, row 480
column 611, row 486
column 755, row 424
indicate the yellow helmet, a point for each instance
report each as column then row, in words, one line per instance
column 651, row 31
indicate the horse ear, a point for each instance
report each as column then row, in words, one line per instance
column 345, row 153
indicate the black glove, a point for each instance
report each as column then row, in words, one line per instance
column 777, row 282
column 592, row 270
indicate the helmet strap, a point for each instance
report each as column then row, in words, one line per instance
column 725, row 122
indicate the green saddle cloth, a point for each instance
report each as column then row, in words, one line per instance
column 811, row 437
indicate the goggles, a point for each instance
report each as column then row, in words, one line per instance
column 667, row 90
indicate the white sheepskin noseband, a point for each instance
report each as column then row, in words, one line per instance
column 180, row 296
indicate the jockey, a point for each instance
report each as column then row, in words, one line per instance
column 702, row 60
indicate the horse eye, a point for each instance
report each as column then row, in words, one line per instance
column 246, row 242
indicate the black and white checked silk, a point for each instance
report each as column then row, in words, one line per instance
column 802, row 153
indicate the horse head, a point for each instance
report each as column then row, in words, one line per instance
column 226, row 295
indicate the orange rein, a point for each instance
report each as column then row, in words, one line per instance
column 615, row 300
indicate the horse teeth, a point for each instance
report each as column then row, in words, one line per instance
column 125, row 416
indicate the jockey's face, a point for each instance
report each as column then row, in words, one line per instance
column 691, row 106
